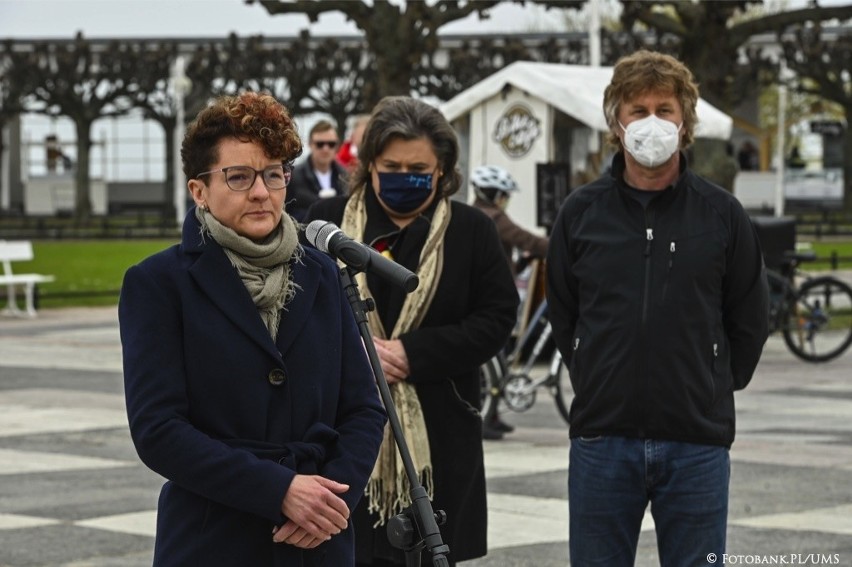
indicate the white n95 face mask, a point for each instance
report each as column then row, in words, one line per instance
column 651, row 140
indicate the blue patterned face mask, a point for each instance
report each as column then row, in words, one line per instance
column 404, row 192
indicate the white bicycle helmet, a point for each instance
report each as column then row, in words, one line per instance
column 493, row 177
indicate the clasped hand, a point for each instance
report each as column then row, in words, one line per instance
column 393, row 358
column 314, row 512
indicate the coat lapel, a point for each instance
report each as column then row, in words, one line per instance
column 218, row 279
column 213, row 273
column 296, row 313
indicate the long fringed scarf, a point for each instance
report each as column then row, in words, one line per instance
column 264, row 267
column 388, row 490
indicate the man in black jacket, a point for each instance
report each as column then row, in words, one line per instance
column 658, row 301
column 319, row 176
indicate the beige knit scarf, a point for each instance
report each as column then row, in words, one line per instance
column 388, row 490
column 264, row 267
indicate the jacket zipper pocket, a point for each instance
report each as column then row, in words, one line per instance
column 713, row 377
column 669, row 269
column 575, row 368
column 649, row 237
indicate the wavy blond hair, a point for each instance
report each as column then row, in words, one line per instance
column 645, row 72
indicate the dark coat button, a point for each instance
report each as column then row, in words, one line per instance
column 276, row 377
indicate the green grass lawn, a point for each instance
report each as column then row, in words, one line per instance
column 88, row 272
column 824, row 250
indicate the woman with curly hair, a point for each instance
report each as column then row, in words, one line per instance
column 266, row 447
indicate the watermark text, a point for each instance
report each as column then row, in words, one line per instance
column 775, row 559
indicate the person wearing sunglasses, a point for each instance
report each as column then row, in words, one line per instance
column 265, row 446
column 319, row 176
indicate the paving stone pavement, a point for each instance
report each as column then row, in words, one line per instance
column 74, row 494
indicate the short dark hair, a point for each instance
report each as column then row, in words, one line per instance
column 320, row 127
column 248, row 117
column 406, row 118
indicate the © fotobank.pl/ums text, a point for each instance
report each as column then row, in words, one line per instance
column 775, row 559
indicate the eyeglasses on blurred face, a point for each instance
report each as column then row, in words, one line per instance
column 330, row 144
column 241, row 177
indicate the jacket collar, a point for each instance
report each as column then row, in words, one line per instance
column 667, row 194
column 217, row 278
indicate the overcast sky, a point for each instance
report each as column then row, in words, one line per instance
column 208, row 18
column 217, row 18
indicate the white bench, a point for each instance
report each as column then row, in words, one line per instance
column 21, row 251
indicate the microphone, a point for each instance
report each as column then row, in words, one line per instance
column 327, row 237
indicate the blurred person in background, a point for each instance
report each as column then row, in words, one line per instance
column 319, row 176
column 347, row 156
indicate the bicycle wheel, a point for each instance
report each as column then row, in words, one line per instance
column 819, row 325
column 562, row 391
column 490, row 375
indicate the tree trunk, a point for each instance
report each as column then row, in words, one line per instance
column 847, row 164
column 82, row 202
column 2, row 178
column 339, row 115
column 393, row 75
column 172, row 171
column 393, row 48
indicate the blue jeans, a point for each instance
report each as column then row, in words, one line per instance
column 612, row 479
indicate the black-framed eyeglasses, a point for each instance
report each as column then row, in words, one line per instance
column 242, row 177
column 330, row 144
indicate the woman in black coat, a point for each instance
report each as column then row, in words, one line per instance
column 430, row 342
column 266, row 446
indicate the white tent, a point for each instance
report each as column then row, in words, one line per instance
column 576, row 90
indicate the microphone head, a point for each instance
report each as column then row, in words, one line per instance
column 318, row 232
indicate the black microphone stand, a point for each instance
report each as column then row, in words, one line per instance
column 418, row 520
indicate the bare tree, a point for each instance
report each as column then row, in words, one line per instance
column 709, row 35
column 156, row 98
column 72, row 80
column 399, row 37
column 475, row 59
column 824, row 67
column 712, row 37
column 306, row 74
column 314, row 75
column 342, row 80
column 203, row 69
column 14, row 84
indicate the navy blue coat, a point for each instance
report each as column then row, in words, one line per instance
column 228, row 416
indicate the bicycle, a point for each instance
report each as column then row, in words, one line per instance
column 502, row 379
column 813, row 313
column 815, row 318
